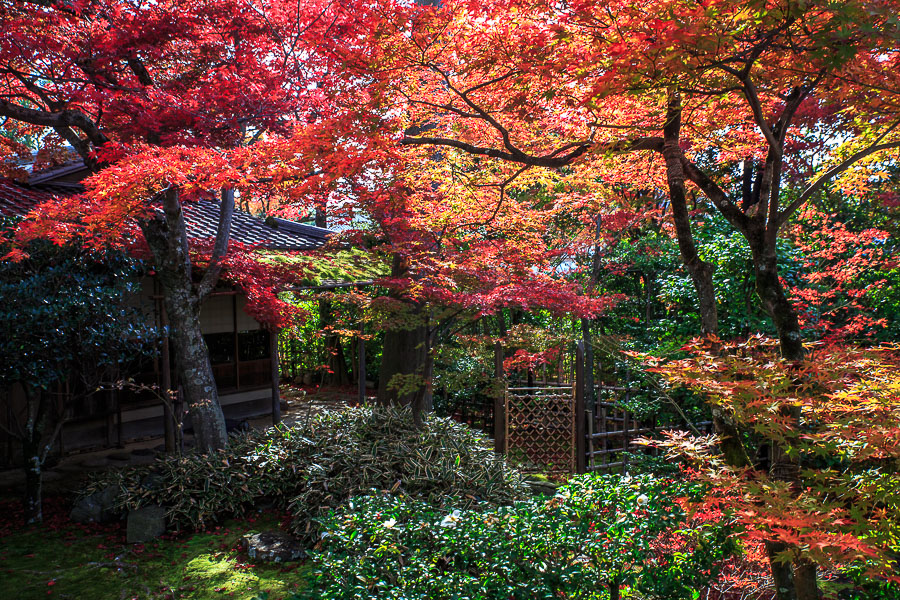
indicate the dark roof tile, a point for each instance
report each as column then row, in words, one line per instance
column 201, row 217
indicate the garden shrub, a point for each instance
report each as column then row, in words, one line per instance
column 597, row 537
column 311, row 468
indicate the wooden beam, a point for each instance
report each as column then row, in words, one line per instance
column 237, row 349
column 361, row 370
column 579, row 409
column 499, row 401
column 276, row 376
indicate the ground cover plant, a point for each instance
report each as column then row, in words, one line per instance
column 599, row 537
column 311, row 468
column 69, row 561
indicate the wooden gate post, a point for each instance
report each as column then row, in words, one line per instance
column 361, row 369
column 499, row 401
column 276, row 375
column 580, row 466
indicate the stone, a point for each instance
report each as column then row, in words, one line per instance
column 152, row 481
column 541, row 487
column 120, row 456
column 237, row 425
column 99, row 507
column 145, row 524
column 143, row 452
column 272, row 546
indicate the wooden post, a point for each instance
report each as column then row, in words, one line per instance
column 237, row 349
column 166, row 385
column 361, row 370
column 276, row 376
column 120, row 442
column 110, row 416
column 499, row 401
column 580, row 466
column 589, row 463
column 626, row 421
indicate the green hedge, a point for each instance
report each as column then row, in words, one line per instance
column 600, row 534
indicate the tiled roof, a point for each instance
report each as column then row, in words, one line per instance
column 201, row 217
column 71, row 167
column 16, row 200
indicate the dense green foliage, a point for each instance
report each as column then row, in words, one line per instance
column 310, row 469
column 598, row 533
column 64, row 311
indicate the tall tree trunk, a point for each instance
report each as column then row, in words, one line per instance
column 776, row 303
column 31, row 455
column 33, row 481
column 335, row 359
column 404, row 368
column 796, row 580
column 701, row 272
column 167, row 237
column 402, row 378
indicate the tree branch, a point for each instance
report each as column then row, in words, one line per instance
column 752, row 97
column 819, row 183
column 62, row 118
column 716, row 194
column 223, row 234
column 517, row 157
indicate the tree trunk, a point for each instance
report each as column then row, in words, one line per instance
column 782, row 576
column 335, row 359
column 806, row 580
column 403, row 376
column 31, row 446
column 701, row 272
column 167, row 238
column 402, row 379
column 32, row 456
column 776, row 303
column 801, row 582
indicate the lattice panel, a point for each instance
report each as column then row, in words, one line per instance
column 540, row 429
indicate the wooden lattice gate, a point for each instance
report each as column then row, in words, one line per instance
column 540, row 433
column 555, row 429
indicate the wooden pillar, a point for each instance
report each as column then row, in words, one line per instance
column 110, row 417
column 276, row 376
column 361, row 370
column 499, row 401
column 120, row 442
column 579, row 409
column 237, row 349
column 166, row 385
column 626, row 421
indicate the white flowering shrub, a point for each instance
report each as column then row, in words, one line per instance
column 600, row 536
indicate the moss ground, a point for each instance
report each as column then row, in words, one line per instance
column 62, row 560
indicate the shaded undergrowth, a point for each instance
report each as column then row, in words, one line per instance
column 66, row 560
